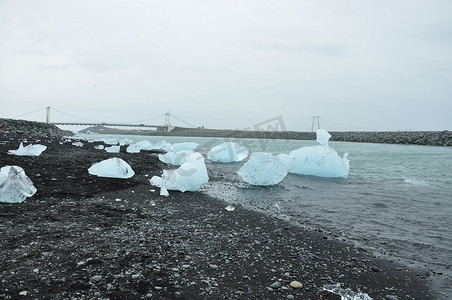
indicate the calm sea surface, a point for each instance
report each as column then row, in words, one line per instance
column 397, row 201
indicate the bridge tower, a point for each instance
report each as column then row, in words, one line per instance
column 48, row 114
column 315, row 120
column 168, row 121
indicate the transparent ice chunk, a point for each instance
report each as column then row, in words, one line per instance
column 228, row 152
column 29, row 150
column 262, row 169
column 133, row 148
column 113, row 149
column 175, row 158
column 188, row 177
column 320, row 160
column 113, row 168
column 15, row 186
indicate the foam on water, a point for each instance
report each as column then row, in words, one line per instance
column 415, row 181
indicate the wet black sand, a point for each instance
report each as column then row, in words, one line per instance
column 84, row 237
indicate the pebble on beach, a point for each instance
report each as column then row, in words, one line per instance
column 296, row 284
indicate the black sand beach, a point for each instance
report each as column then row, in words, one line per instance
column 85, row 237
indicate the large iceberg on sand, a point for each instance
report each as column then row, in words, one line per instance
column 228, row 152
column 188, row 177
column 113, row 168
column 175, row 158
column 15, row 186
column 29, row 150
column 320, row 160
column 262, row 169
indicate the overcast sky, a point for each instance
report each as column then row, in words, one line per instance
column 359, row 65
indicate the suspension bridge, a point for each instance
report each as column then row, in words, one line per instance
column 80, row 121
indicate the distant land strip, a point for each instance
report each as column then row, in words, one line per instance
column 431, row 138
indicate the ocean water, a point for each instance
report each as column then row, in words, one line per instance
column 396, row 202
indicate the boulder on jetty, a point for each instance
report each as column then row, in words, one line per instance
column 31, row 128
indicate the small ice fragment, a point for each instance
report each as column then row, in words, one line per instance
column 164, row 192
column 111, row 141
column 229, row 208
column 346, row 294
column 228, row 152
column 118, row 200
column 148, row 146
column 133, row 148
column 262, row 169
column 29, row 150
column 113, row 167
column 99, row 147
column 77, row 144
column 113, row 149
column 15, row 186
column 180, row 146
column 124, row 142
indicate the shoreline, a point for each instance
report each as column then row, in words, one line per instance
column 83, row 236
column 427, row 138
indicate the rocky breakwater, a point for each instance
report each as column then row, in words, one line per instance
column 432, row 138
column 30, row 128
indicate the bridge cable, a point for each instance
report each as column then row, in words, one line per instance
column 182, row 121
column 142, row 121
column 74, row 116
column 29, row 112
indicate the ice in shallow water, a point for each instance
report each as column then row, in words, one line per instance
column 188, row 177
column 113, row 168
column 29, row 150
column 262, row 169
column 15, row 186
column 228, row 152
column 320, row 160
